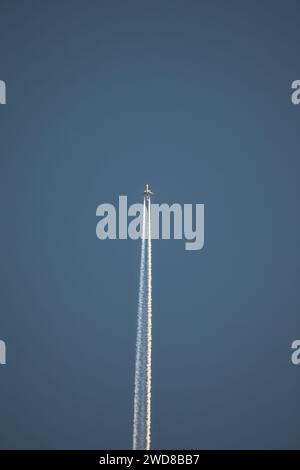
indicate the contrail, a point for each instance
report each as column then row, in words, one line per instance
column 139, row 362
column 143, row 365
column 149, row 331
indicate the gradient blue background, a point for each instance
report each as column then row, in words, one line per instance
column 193, row 98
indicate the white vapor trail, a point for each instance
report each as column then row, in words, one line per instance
column 138, row 386
column 142, row 389
column 149, row 333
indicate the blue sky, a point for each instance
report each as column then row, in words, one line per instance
column 194, row 99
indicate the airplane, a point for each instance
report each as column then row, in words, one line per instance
column 147, row 192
